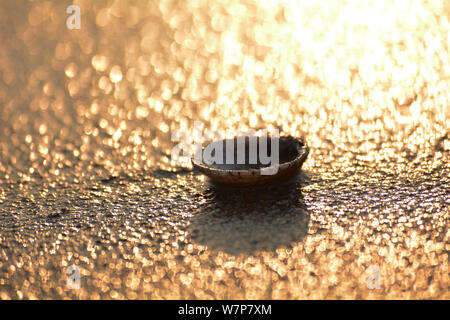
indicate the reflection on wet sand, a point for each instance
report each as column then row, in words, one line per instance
column 238, row 220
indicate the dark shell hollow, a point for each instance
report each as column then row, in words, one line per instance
column 292, row 154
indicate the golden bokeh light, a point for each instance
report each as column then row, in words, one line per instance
column 86, row 175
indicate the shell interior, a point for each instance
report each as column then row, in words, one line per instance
column 247, row 171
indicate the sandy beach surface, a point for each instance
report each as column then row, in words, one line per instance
column 92, row 205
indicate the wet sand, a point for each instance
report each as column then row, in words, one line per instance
column 86, row 177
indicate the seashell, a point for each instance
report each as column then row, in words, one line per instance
column 292, row 154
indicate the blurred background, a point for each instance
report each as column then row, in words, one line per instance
column 86, row 176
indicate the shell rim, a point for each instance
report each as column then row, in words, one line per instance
column 302, row 148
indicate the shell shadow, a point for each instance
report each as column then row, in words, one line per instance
column 237, row 220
